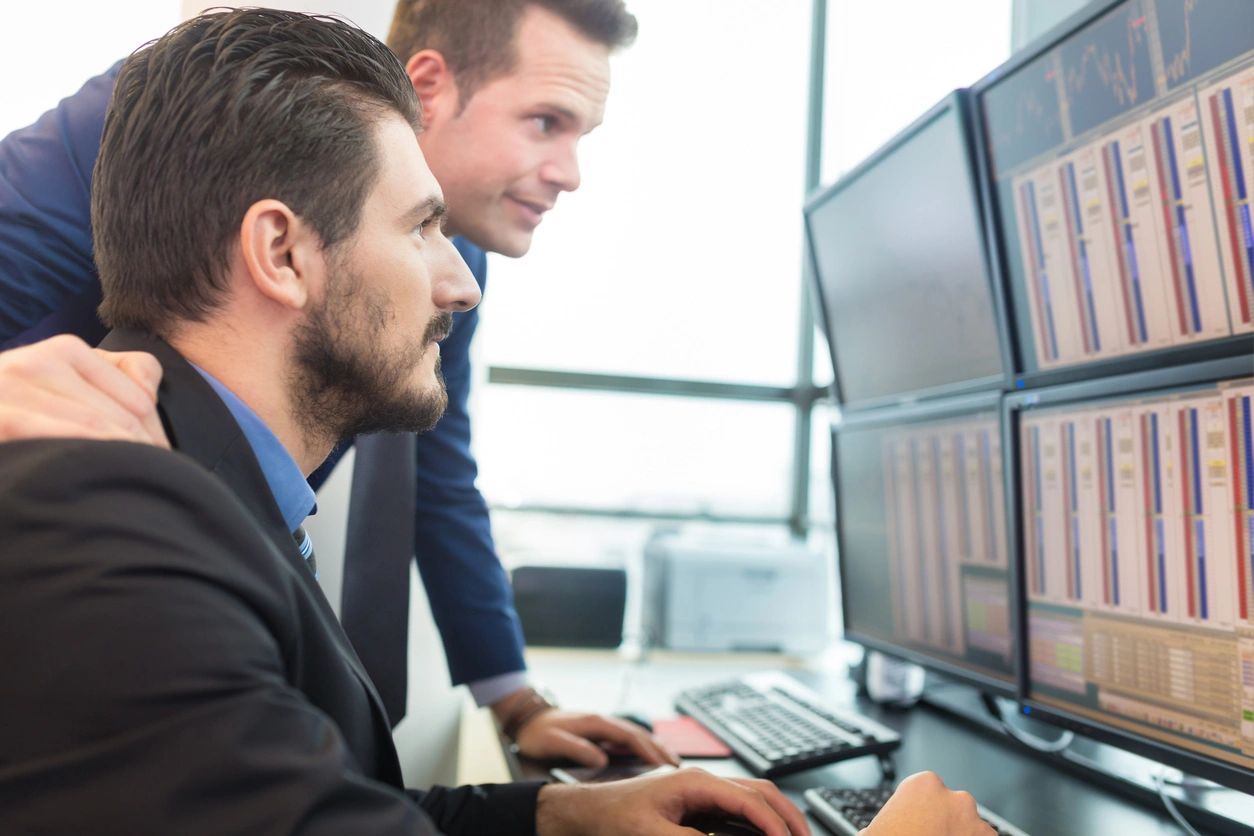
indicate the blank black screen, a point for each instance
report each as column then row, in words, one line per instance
column 899, row 255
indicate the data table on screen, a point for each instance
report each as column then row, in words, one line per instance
column 1122, row 193
column 924, row 540
column 1138, row 537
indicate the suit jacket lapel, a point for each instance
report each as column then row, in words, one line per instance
column 200, row 426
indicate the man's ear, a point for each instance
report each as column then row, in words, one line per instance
column 434, row 83
column 281, row 253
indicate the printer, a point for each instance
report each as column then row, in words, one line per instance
column 720, row 596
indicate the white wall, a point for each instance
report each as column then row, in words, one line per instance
column 372, row 15
column 47, row 50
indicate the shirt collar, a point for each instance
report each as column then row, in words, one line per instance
column 288, row 485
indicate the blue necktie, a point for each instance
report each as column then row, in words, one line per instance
column 305, row 543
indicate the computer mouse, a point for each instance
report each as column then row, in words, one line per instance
column 717, row 824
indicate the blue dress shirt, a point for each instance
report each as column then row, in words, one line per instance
column 287, row 484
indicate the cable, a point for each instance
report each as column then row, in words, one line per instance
column 1059, row 746
column 1191, row 783
column 1049, row 747
column 1171, row 805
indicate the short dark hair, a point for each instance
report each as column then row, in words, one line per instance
column 224, row 110
column 476, row 37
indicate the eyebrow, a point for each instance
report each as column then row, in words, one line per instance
column 563, row 112
column 432, row 208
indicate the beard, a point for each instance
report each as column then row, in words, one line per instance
column 348, row 380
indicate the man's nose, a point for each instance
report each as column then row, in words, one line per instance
column 455, row 288
column 562, row 169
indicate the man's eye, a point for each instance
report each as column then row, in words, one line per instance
column 424, row 228
column 546, row 124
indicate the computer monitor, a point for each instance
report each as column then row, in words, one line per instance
column 922, row 537
column 1135, row 521
column 1120, row 160
column 900, row 277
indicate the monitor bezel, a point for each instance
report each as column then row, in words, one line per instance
column 954, row 407
column 1165, row 381
column 958, row 101
column 1020, row 345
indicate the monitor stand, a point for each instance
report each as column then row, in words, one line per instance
column 1205, row 804
column 891, row 681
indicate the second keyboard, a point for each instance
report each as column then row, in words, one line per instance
column 776, row 726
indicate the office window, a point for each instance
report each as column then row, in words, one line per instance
column 605, row 451
column 822, row 501
column 822, row 513
column 821, row 373
column 1033, row 18
column 679, row 256
column 889, row 61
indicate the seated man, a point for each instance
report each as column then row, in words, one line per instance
column 507, row 88
column 266, row 226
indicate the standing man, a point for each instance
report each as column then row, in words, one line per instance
column 506, row 89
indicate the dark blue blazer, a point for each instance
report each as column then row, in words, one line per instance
column 48, row 285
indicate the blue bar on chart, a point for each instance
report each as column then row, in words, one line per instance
column 1241, row 443
column 1038, row 275
column 1179, row 254
column 1034, row 519
column 1125, row 245
column 1080, row 264
column 1229, row 135
column 1153, row 517
column 1191, row 468
column 1110, row 506
column 1071, row 504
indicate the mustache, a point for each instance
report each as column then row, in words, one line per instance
column 440, row 326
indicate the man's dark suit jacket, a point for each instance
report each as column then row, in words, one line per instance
column 170, row 664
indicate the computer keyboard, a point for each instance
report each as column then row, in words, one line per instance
column 847, row 811
column 776, row 726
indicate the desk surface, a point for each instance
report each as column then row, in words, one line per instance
column 1035, row 796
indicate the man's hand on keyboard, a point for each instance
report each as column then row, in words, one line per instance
column 656, row 804
column 61, row 388
column 923, row 805
column 558, row 734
